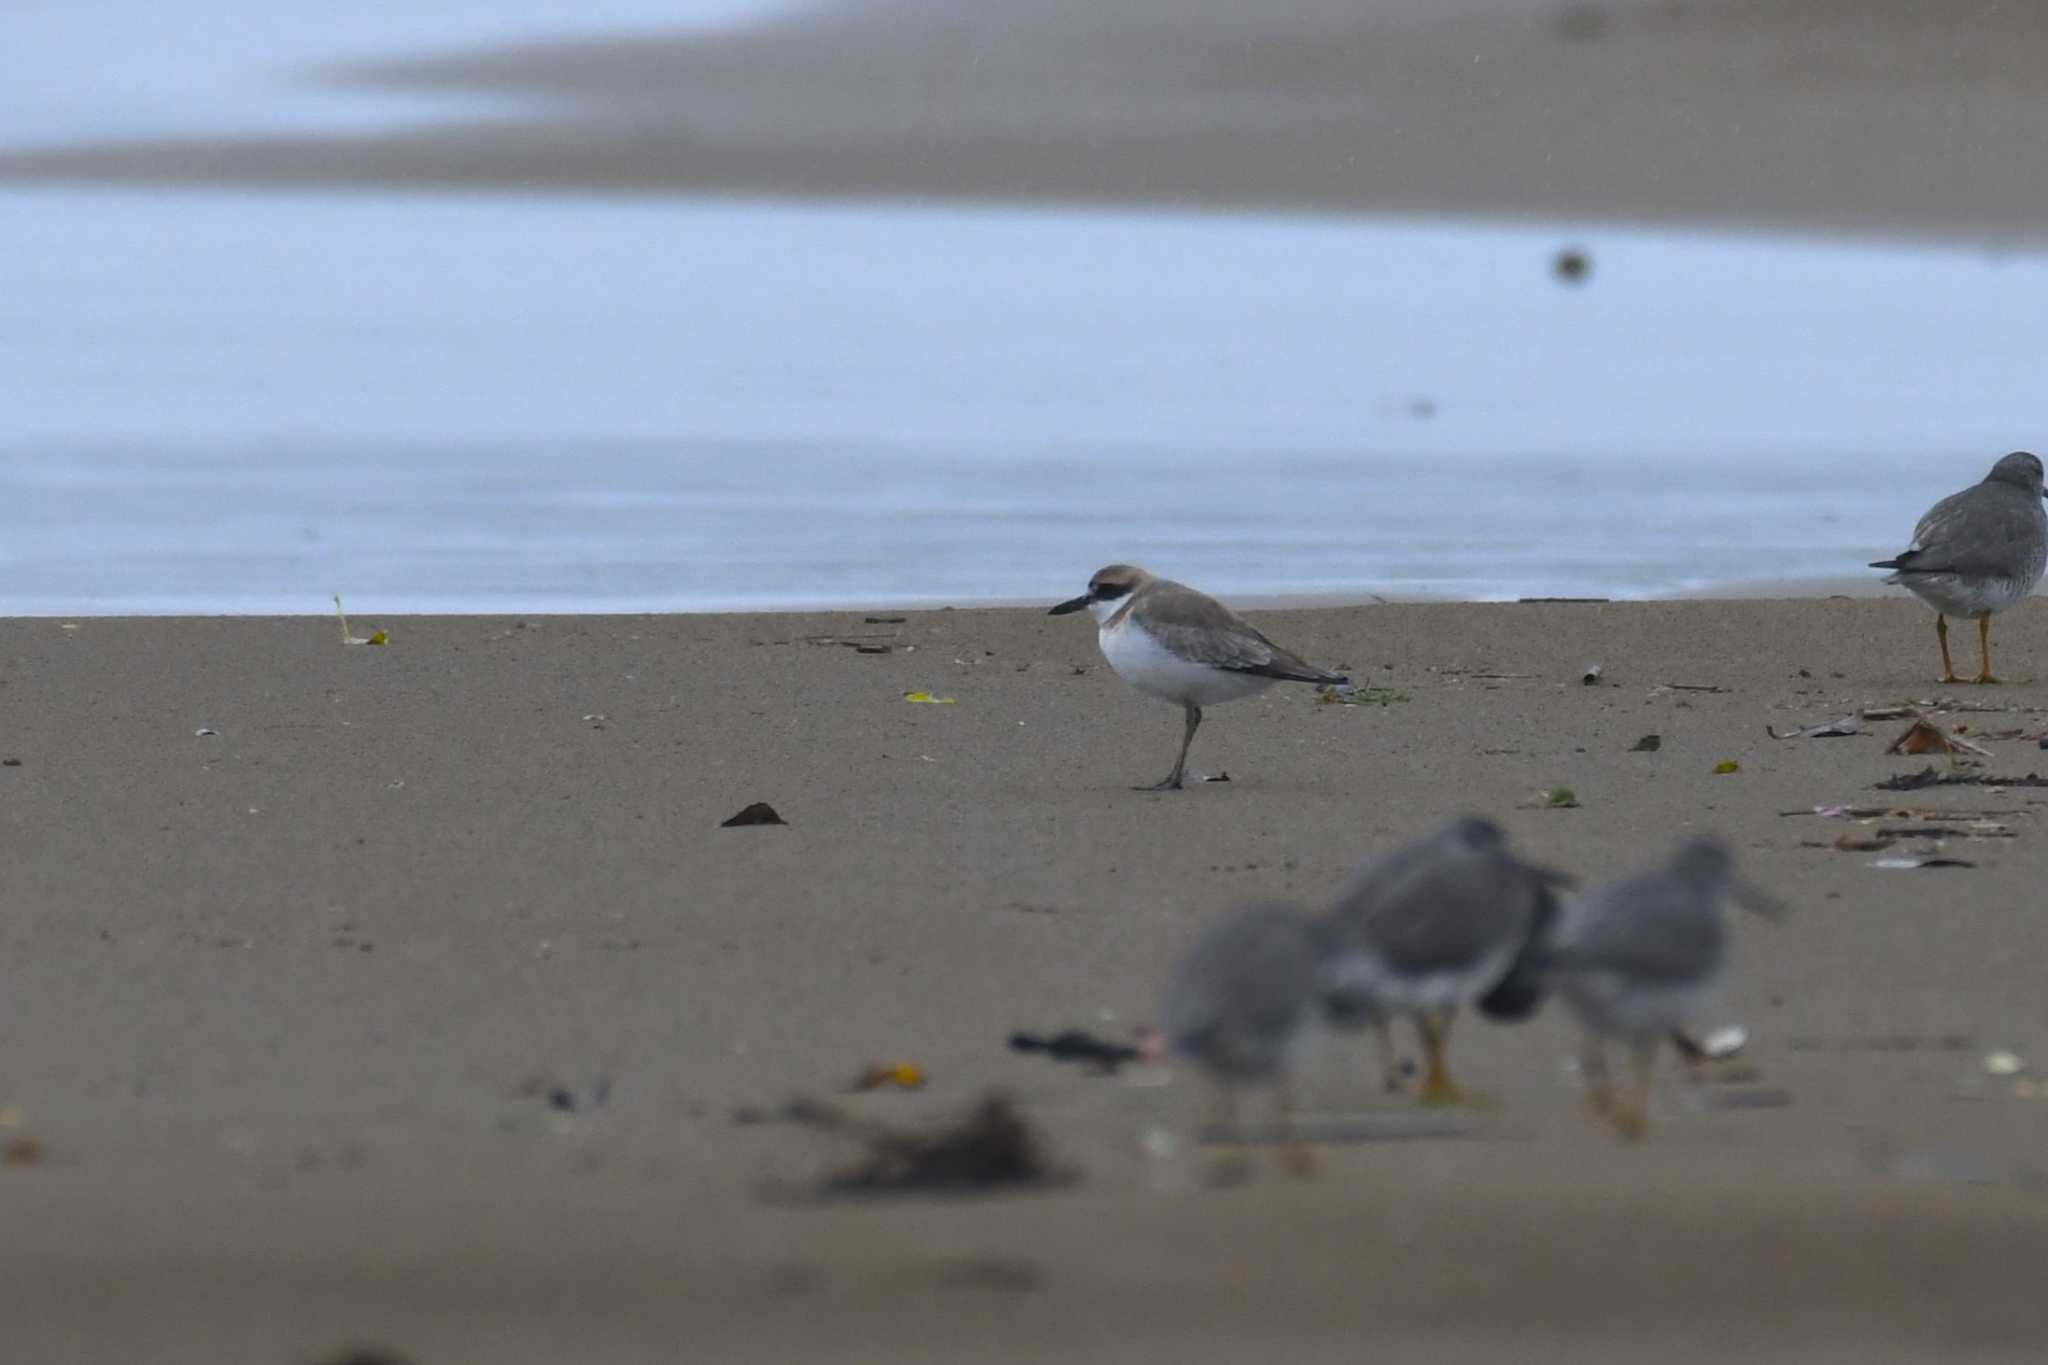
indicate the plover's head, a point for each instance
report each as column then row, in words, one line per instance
column 2019, row 469
column 1107, row 591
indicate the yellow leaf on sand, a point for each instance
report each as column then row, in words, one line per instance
column 928, row 697
column 380, row 638
column 1727, row 766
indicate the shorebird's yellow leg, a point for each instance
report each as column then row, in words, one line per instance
column 1437, row 1085
column 1948, row 670
column 1631, row 1113
column 1984, row 647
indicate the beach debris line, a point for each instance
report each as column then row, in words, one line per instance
column 1345, row 694
column 1923, row 736
column 1837, row 728
column 759, row 813
column 1884, row 1042
column 1930, row 777
column 889, row 1076
column 1918, row 861
column 376, row 637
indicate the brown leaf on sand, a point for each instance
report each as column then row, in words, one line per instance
column 1923, row 736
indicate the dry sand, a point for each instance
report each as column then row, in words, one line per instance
column 1856, row 116
column 275, row 995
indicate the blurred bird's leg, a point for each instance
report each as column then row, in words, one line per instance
column 1230, row 1165
column 1434, row 1026
column 1593, row 1070
column 1948, row 670
column 1631, row 1113
column 1390, row 1061
column 1295, row 1156
column 1984, row 647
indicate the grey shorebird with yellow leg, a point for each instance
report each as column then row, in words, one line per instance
column 1635, row 958
column 1428, row 929
column 1978, row 552
column 1238, row 1004
column 1182, row 646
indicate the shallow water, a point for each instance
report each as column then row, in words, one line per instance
column 216, row 402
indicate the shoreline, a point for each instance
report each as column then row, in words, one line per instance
column 1745, row 590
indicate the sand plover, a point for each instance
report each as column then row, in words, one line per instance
column 1977, row 552
column 1237, row 1004
column 1179, row 645
column 1634, row 958
column 1430, row 927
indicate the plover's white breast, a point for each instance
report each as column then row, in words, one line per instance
column 1146, row 664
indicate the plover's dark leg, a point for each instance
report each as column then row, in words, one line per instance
column 1948, row 670
column 1984, row 647
column 1172, row 780
column 1631, row 1113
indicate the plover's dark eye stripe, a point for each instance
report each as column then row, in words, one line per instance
column 1109, row 591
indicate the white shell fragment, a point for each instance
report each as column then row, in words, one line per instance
column 1725, row 1042
column 2004, row 1064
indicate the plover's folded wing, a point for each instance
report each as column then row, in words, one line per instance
column 1203, row 630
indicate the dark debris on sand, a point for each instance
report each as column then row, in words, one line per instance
column 1933, row 777
column 991, row 1148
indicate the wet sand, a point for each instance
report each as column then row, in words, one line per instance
column 1868, row 117
column 286, row 1001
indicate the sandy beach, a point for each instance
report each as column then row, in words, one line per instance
column 1859, row 117
column 288, row 1000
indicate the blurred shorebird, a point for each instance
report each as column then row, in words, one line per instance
column 1634, row 959
column 1977, row 552
column 1237, row 1004
column 1433, row 926
column 1179, row 645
